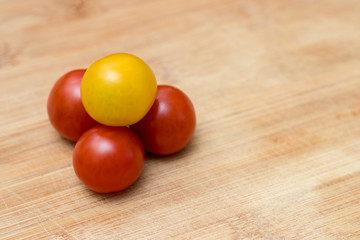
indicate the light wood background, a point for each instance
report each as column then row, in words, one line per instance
column 276, row 87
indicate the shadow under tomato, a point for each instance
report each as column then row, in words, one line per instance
column 68, row 142
column 189, row 149
column 126, row 193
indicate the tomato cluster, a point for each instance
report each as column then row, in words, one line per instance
column 115, row 111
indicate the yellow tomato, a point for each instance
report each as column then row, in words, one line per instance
column 118, row 90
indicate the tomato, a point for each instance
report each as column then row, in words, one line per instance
column 170, row 123
column 108, row 159
column 118, row 90
column 65, row 109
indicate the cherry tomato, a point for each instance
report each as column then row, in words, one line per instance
column 65, row 109
column 170, row 123
column 108, row 159
column 118, row 90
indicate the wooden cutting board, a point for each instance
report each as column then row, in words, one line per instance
column 276, row 87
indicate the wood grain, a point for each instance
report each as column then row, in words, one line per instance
column 275, row 85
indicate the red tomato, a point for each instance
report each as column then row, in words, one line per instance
column 65, row 109
column 170, row 123
column 108, row 159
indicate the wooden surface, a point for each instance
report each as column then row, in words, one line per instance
column 276, row 87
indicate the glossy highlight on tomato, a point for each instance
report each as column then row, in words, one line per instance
column 118, row 90
column 108, row 159
column 65, row 109
column 169, row 125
